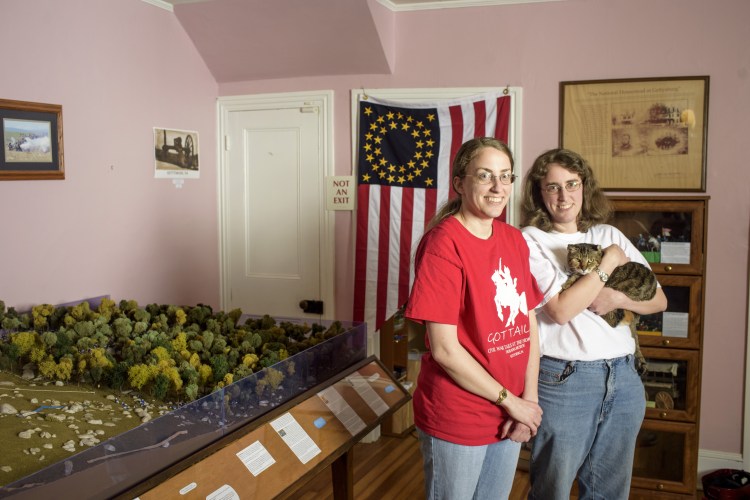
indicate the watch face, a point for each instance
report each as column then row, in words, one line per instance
column 502, row 396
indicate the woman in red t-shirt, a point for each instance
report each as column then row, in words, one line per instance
column 476, row 396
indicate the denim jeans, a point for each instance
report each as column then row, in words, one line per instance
column 459, row 472
column 592, row 414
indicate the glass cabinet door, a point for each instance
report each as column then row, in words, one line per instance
column 680, row 324
column 662, row 460
column 668, row 232
column 671, row 384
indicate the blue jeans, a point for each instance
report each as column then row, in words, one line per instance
column 592, row 414
column 459, row 472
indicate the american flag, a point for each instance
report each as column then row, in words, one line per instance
column 405, row 152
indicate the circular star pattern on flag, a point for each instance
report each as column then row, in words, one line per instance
column 399, row 147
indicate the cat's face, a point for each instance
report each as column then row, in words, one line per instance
column 584, row 257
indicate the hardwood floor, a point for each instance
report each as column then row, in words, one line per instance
column 391, row 469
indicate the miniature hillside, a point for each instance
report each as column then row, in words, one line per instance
column 170, row 352
column 72, row 377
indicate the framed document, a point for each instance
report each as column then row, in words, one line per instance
column 646, row 134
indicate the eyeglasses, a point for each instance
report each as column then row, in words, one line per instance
column 487, row 178
column 570, row 186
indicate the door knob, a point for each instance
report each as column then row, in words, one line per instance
column 311, row 306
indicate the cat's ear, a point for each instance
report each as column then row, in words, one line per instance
column 598, row 247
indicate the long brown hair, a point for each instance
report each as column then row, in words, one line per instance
column 596, row 207
column 466, row 153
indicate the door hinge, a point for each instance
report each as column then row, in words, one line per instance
column 227, row 144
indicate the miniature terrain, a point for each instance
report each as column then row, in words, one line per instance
column 73, row 376
column 42, row 422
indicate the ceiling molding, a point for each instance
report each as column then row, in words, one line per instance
column 393, row 5
column 161, row 4
column 406, row 5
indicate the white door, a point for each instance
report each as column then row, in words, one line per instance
column 274, row 223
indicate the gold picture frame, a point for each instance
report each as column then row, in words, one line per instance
column 32, row 138
column 645, row 134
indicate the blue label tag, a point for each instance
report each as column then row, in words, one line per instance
column 319, row 422
column 389, row 389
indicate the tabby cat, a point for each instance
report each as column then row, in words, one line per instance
column 633, row 279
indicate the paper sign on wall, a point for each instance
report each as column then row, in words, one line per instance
column 340, row 192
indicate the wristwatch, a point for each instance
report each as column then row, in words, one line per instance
column 602, row 275
column 502, row 396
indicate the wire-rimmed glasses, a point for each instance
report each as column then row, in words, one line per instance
column 484, row 177
column 570, row 186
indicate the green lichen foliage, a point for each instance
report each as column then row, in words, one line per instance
column 174, row 352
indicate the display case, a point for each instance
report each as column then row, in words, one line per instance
column 663, row 461
column 296, row 441
column 123, row 462
column 402, row 344
column 681, row 324
column 670, row 232
column 671, row 384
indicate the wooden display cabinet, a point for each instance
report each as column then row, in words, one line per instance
column 672, row 384
column 670, row 232
column 640, row 494
column 681, row 324
column 401, row 347
column 649, row 222
column 663, row 457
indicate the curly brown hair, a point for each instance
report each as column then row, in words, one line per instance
column 596, row 207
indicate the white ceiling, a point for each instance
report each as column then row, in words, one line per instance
column 247, row 40
column 399, row 5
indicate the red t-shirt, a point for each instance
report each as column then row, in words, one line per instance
column 486, row 289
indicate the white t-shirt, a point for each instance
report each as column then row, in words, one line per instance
column 587, row 336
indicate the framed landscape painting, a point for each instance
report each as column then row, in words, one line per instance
column 32, row 138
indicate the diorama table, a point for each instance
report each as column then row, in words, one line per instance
column 290, row 445
column 261, row 436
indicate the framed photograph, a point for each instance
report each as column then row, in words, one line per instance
column 32, row 136
column 176, row 154
column 646, row 134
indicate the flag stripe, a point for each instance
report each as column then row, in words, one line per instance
column 360, row 253
column 480, row 116
column 383, row 253
column 457, row 133
column 391, row 302
column 418, row 228
column 400, row 189
column 404, row 253
column 502, row 124
column 373, row 238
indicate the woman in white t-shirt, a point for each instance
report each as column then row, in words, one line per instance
column 589, row 388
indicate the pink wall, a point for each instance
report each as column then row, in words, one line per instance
column 535, row 46
column 118, row 68
column 121, row 67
